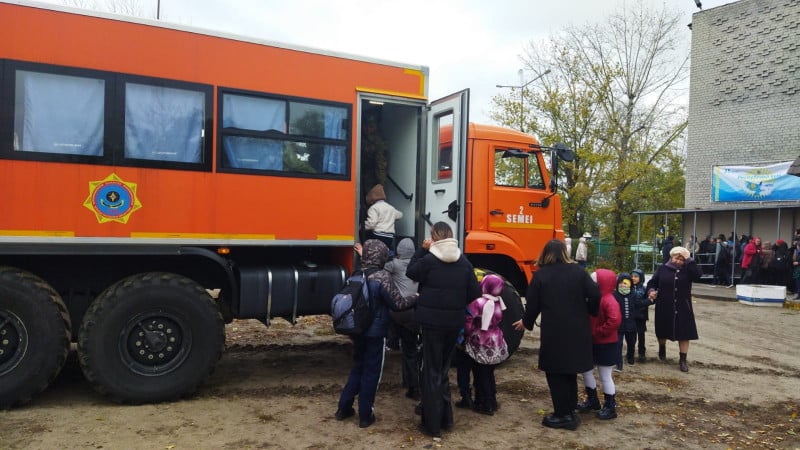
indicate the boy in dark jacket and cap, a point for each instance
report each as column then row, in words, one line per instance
column 368, row 348
column 625, row 296
column 642, row 311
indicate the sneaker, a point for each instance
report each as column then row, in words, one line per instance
column 618, row 369
column 730, row 286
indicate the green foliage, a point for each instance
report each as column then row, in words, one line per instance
column 611, row 96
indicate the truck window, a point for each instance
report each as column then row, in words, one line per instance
column 262, row 134
column 444, row 156
column 535, row 180
column 508, row 171
column 77, row 115
column 58, row 114
column 163, row 124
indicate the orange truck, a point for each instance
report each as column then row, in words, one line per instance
column 158, row 181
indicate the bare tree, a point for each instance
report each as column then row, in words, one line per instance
column 612, row 96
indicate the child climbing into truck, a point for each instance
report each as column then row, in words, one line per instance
column 381, row 217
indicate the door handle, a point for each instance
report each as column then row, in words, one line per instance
column 438, row 191
column 496, row 212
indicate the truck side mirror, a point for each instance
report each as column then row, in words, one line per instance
column 560, row 151
column 564, row 152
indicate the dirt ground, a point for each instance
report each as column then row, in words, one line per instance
column 277, row 387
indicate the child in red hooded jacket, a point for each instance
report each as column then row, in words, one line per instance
column 604, row 348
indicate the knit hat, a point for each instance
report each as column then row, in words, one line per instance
column 375, row 194
column 405, row 248
column 679, row 251
column 780, row 242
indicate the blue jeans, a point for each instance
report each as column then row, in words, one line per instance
column 364, row 376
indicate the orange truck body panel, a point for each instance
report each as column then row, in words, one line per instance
column 45, row 198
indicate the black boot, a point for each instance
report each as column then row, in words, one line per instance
column 592, row 403
column 662, row 352
column 642, row 357
column 684, row 366
column 466, row 400
column 609, row 410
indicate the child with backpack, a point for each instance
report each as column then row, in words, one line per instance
column 368, row 347
column 604, row 349
column 484, row 341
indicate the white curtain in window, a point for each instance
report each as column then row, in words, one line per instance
column 250, row 113
column 253, row 153
column 61, row 114
column 164, row 124
column 256, row 114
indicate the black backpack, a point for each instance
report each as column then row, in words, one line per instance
column 350, row 308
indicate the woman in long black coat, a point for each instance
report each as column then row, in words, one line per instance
column 565, row 295
column 447, row 284
column 670, row 289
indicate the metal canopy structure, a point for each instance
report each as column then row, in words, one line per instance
column 782, row 214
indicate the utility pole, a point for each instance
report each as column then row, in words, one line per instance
column 521, row 88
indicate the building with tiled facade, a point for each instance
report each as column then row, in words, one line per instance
column 744, row 110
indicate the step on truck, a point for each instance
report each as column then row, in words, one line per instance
column 158, row 181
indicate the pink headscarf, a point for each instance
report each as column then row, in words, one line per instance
column 492, row 287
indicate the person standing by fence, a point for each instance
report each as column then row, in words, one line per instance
column 582, row 252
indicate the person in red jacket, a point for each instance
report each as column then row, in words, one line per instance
column 751, row 261
column 604, row 348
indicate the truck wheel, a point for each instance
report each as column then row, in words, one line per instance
column 514, row 311
column 34, row 336
column 150, row 337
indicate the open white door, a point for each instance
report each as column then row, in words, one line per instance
column 445, row 177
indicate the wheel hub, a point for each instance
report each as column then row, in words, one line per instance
column 154, row 343
column 13, row 341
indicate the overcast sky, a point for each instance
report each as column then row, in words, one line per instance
column 473, row 44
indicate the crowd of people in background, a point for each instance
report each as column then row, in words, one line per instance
column 444, row 314
column 759, row 262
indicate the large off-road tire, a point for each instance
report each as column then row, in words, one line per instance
column 35, row 335
column 514, row 312
column 150, row 337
